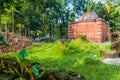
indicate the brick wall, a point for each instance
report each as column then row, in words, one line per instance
column 95, row 30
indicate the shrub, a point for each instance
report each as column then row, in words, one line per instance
column 59, row 47
column 73, row 47
column 91, row 60
column 20, row 67
column 80, row 46
column 83, row 37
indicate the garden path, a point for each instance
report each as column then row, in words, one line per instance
column 115, row 61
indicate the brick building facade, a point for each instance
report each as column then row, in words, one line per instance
column 95, row 29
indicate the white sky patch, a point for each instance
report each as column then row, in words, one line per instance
column 100, row 1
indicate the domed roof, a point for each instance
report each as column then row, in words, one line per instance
column 88, row 16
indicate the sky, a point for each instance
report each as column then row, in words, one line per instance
column 99, row 0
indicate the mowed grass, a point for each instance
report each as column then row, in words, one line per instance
column 78, row 56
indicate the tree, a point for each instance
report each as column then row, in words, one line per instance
column 4, row 4
column 49, row 16
column 109, row 11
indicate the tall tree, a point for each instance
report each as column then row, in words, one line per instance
column 4, row 4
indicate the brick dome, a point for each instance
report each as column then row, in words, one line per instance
column 88, row 16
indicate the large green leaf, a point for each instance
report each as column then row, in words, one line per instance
column 23, row 53
column 35, row 70
column 3, row 40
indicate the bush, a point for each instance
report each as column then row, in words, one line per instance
column 83, row 37
column 79, row 46
column 91, row 60
column 73, row 47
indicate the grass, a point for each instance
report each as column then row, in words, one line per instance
column 79, row 56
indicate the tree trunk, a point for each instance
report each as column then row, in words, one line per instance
column 0, row 23
column 28, row 30
column 25, row 32
column 12, row 19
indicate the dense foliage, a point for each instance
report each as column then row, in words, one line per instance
column 51, row 18
column 33, row 18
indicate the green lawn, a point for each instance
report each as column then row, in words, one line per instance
column 78, row 56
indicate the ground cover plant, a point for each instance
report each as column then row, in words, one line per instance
column 20, row 68
column 79, row 56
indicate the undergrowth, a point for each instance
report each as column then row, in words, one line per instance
column 80, row 56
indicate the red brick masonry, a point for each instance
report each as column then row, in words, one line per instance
column 95, row 30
